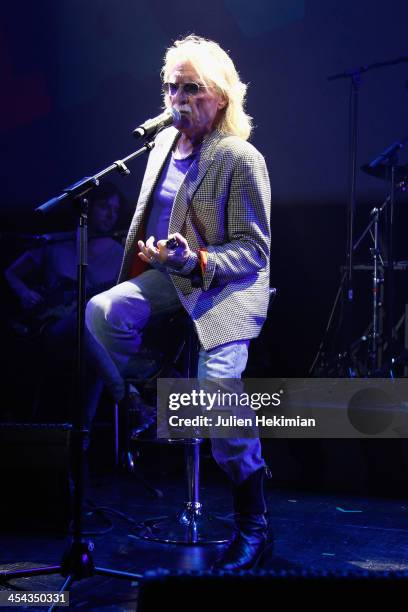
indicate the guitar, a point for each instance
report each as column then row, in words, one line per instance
column 58, row 303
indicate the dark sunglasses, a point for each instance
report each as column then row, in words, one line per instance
column 190, row 89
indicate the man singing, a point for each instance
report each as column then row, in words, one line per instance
column 208, row 188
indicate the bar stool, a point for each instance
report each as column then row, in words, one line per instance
column 192, row 525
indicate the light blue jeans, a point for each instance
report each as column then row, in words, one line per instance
column 116, row 319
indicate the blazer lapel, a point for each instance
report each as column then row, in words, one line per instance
column 192, row 180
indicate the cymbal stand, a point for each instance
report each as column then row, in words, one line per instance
column 389, row 288
column 377, row 342
column 375, row 335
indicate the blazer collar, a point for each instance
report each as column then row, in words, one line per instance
column 192, row 180
column 207, row 148
column 209, row 144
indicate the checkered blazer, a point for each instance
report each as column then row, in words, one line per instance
column 223, row 205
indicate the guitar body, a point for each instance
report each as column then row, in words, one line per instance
column 58, row 303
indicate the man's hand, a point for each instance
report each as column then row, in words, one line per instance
column 161, row 254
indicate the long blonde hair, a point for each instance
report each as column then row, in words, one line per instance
column 215, row 69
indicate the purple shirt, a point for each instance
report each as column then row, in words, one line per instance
column 164, row 193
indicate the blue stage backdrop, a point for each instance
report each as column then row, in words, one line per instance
column 78, row 76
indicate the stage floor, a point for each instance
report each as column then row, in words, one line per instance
column 313, row 531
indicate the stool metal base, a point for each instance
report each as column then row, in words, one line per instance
column 191, row 526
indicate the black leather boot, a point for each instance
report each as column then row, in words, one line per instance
column 252, row 538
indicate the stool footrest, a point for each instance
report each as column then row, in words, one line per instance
column 191, row 526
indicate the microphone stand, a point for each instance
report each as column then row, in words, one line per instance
column 355, row 80
column 77, row 562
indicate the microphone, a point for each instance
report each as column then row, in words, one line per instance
column 151, row 126
column 172, row 244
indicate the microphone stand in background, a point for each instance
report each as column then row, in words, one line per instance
column 77, row 562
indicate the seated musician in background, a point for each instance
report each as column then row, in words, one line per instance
column 44, row 281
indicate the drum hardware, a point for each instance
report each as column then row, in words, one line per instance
column 377, row 340
column 387, row 157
